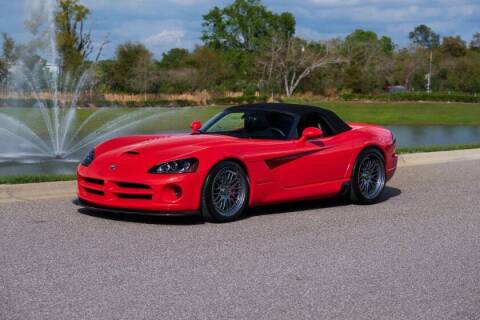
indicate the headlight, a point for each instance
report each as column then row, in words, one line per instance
column 89, row 158
column 177, row 166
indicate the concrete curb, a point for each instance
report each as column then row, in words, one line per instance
column 426, row 158
column 37, row 191
column 67, row 189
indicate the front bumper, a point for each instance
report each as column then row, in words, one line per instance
column 392, row 166
column 145, row 193
column 90, row 206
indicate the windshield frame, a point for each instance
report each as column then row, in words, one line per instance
column 289, row 135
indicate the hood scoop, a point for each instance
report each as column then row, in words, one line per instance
column 132, row 153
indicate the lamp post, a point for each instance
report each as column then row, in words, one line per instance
column 429, row 75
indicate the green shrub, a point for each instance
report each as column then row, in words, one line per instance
column 414, row 96
column 139, row 104
column 153, row 103
column 239, row 100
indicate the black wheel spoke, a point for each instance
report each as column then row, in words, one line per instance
column 228, row 191
column 371, row 177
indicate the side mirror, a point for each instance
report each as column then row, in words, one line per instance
column 196, row 125
column 311, row 133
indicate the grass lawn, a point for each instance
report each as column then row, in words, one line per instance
column 391, row 113
column 404, row 113
column 160, row 118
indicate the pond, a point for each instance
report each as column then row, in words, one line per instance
column 414, row 136
column 407, row 136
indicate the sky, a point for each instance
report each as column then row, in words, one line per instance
column 165, row 24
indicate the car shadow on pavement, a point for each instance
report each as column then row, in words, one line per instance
column 146, row 219
column 388, row 193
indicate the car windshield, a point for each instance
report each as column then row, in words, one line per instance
column 256, row 124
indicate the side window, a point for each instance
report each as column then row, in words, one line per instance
column 314, row 120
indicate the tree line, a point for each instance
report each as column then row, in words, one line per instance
column 245, row 47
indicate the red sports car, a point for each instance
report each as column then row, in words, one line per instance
column 246, row 156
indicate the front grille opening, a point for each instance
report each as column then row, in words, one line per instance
column 94, row 181
column 93, row 191
column 132, row 185
column 134, row 196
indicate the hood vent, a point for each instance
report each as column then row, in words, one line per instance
column 132, row 153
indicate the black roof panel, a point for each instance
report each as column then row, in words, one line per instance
column 338, row 124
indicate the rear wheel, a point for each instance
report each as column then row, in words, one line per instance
column 368, row 179
column 225, row 193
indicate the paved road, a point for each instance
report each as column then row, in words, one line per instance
column 414, row 256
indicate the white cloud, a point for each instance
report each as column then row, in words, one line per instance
column 166, row 37
column 330, row 18
column 158, row 35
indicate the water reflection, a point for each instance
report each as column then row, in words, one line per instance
column 413, row 136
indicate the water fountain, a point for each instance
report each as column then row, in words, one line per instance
column 50, row 130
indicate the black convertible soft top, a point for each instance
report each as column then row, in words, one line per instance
column 335, row 122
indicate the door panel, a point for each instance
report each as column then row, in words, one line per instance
column 314, row 161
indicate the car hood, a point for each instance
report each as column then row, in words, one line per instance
column 140, row 153
column 151, row 150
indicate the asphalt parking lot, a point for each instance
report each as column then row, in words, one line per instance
column 415, row 255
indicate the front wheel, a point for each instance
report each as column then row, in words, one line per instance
column 368, row 178
column 225, row 192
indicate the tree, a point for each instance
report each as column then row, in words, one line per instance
column 9, row 55
column 74, row 43
column 7, row 59
column 133, row 67
column 387, row 45
column 105, row 75
column 291, row 60
column 454, row 46
column 244, row 24
column 239, row 70
column 143, row 74
column 409, row 64
column 173, row 58
column 361, row 36
column 424, row 37
column 3, row 73
column 361, row 42
column 210, row 70
column 475, row 43
column 371, row 61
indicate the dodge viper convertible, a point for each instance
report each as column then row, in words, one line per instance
column 246, row 156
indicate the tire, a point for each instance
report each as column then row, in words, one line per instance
column 225, row 193
column 368, row 177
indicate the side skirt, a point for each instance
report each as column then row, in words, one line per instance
column 270, row 194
